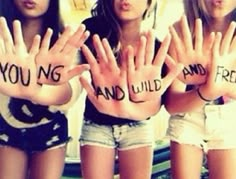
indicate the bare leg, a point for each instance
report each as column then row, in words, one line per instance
column 97, row 162
column 186, row 161
column 222, row 164
column 48, row 164
column 136, row 163
column 13, row 163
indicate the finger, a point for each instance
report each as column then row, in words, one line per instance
column 18, row 37
column 124, row 59
column 101, row 54
column 46, row 41
column 61, row 41
column 112, row 63
column 233, row 45
column 150, row 47
column 76, row 40
column 2, row 46
column 216, row 45
column 6, row 35
column 227, row 38
column 35, row 45
column 88, row 88
column 130, row 60
column 140, row 54
column 208, row 42
column 77, row 70
column 177, row 43
column 198, row 36
column 90, row 58
column 187, row 37
column 174, row 71
column 162, row 52
column 215, row 57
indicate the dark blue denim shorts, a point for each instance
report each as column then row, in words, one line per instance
column 35, row 139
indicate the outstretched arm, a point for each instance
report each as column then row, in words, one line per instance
column 109, row 89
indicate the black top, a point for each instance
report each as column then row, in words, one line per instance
column 97, row 25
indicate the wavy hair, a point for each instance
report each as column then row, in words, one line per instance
column 105, row 9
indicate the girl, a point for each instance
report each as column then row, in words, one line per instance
column 116, row 119
column 33, row 125
column 202, row 120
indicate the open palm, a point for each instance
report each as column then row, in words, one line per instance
column 17, row 65
column 145, row 69
column 194, row 52
column 222, row 78
column 109, row 89
column 56, row 64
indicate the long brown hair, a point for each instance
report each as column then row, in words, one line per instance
column 105, row 9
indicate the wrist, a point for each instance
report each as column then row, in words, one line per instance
column 202, row 96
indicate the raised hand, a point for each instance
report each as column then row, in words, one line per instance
column 145, row 71
column 194, row 52
column 17, row 66
column 109, row 90
column 56, row 64
column 222, row 74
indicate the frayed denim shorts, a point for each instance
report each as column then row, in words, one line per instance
column 213, row 127
column 52, row 134
column 122, row 137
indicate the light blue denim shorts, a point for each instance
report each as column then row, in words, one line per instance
column 122, row 137
column 212, row 127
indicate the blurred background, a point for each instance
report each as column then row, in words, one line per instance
column 73, row 12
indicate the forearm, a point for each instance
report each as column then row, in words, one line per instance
column 53, row 95
column 182, row 102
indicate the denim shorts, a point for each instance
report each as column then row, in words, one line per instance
column 35, row 139
column 212, row 127
column 122, row 137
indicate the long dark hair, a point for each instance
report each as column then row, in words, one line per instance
column 51, row 19
column 105, row 9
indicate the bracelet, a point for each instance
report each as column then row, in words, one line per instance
column 200, row 95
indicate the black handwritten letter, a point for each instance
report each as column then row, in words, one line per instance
column 120, row 94
column 3, row 69
column 157, row 83
column 13, row 74
column 99, row 92
column 43, row 72
column 56, row 76
column 186, row 72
